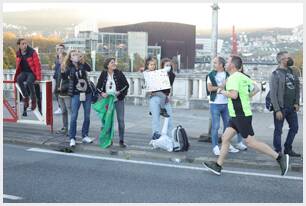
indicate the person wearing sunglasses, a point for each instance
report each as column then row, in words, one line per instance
column 112, row 80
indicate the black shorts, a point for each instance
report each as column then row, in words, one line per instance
column 242, row 125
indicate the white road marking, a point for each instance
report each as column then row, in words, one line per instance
column 11, row 197
column 161, row 164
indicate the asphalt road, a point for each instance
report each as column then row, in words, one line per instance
column 37, row 176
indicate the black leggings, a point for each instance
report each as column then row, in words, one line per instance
column 29, row 79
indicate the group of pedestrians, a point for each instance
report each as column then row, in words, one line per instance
column 238, row 89
column 230, row 92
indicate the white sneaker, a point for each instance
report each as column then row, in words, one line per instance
column 216, row 150
column 241, row 146
column 72, row 142
column 87, row 140
column 58, row 111
column 233, row 149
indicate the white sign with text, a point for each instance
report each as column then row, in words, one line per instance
column 156, row 80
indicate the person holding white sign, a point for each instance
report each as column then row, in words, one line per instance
column 155, row 81
column 159, row 100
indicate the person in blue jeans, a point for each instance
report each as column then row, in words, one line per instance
column 155, row 101
column 60, row 50
column 219, row 104
column 285, row 98
column 80, row 93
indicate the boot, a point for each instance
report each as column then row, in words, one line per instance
column 26, row 102
column 33, row 104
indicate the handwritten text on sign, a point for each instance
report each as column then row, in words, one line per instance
column 156, row 80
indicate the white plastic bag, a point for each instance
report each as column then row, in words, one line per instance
column 164, row 142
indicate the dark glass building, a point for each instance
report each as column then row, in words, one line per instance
column 174, row 38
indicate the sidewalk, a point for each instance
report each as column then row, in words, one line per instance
column 138, row 133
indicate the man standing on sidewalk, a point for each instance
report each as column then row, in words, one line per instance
column 237, row 91
column 60, row 48
column 218, row 102
column 285, row 97
column 28, row 69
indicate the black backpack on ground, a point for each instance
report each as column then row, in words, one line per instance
column 180, row 138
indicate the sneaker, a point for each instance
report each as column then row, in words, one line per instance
column 58, row 111
column 156, row 136
column 291, row 153
column 163, row 112
column 241, row 146
column 72, row 142
column 25, row 113
column 233, row 149
column 87, row 140
column 62, row 131
column 216, row 150
column 121, row 144
column 283, row 161
column 213, row 167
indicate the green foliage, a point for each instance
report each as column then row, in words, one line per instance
column 99, row 62
column 298, row 60
column 138, row 62
column 46, row 46
column 9, row 58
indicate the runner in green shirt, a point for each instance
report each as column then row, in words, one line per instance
column 239, row 89
column 240, row 106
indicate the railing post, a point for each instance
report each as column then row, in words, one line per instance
column 195, row 88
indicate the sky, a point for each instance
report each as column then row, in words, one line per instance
column 242, row 15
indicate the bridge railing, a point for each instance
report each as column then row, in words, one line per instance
column 187, row 87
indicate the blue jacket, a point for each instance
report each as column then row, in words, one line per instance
column 57, row 68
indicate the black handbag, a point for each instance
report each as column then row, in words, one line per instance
column 64, row 85
column 94, row 92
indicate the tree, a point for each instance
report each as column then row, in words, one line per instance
column 99, row 62
column 46, row 47
column 298, row 61
column 9, row 58
column 138, row 62
column 123, row 63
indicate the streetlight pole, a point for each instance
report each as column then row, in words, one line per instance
column 116, row 56
column 93, row 60
column 214, row 31
column 158, row 60
column 214, row 46
column 132, row 61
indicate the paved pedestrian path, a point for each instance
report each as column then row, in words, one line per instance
column 138, row 133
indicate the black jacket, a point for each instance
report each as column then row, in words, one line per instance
column 62, row 86
column 71, row 70
column 122, row 84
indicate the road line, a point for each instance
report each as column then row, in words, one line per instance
column 11, row 197
column 161, row 164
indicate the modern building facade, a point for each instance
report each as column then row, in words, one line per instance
column 173, row 38
column 112, row 44
column 75, row 43
column 138, row 43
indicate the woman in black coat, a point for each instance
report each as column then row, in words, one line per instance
column 112, row 80
column 80, row 93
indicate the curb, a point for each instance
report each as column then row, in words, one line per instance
column 181, row 157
